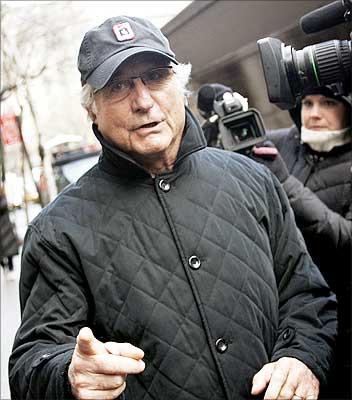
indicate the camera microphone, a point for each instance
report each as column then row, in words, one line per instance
column 206, row 97
column 207, row 94
column 326, row 17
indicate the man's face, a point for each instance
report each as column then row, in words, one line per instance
column 149, row 121
column 321, row 113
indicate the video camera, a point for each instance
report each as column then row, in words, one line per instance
column 237, row 127
column 288, row 71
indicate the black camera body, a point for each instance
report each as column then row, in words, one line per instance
column 288, row 71
column 238, row 127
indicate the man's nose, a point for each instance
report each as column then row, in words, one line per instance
column 141, row 98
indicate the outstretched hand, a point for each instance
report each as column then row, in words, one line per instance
column 287, row 378
column 98, row 370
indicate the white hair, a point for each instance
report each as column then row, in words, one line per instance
column 182, row 74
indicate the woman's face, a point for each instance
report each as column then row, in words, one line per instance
column 321, row 113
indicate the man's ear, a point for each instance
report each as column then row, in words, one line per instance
column 92, row 115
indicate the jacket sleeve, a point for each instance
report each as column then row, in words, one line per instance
column 307, row 307
column 54, row 307
column 314, row 217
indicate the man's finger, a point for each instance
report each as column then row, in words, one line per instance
column 87, row 344
column 89, row 394
column 96, row 381
column 262, row 378
column 313, row 396
column 125, row 350
column 292, row 381
column 117, row 365
column 278, row 379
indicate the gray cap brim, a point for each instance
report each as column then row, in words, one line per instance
column 102, row 74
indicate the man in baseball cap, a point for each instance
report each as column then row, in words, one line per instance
column 169, row 270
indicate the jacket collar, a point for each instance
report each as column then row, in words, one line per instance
column 309, row 154
column 116, row 162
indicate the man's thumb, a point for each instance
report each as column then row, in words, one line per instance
column 87, row 344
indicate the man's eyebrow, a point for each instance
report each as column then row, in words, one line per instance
column 122, row 76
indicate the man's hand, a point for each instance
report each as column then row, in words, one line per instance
column 267, row 154
column 286, row 379
column 98, row 370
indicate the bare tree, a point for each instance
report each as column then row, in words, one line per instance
column 36, row 50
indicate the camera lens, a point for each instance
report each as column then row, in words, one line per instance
column 333, row 60
column 318, row 65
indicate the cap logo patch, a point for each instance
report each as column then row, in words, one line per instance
column 123, row 31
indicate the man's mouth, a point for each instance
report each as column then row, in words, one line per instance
column 150, row 125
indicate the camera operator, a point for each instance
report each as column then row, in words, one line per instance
column 313, row 161
column 205, row 104
column 230, row 124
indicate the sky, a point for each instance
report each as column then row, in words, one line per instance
column 159, row 12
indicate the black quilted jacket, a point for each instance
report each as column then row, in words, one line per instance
column 203, row 268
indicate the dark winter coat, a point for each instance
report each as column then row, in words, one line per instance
column 203, row 268
column 8, row 239
column 319, row 189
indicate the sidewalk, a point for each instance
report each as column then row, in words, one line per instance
column 10, row 306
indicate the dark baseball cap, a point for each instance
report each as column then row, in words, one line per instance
column 105, row 47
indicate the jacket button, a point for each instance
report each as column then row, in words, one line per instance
column 221, row 345
column 287, row 334
column 194, row 262
column 164, row 185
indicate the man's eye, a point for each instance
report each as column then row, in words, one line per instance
column 121, row 86
column 157, row 75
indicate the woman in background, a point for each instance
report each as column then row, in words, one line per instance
column 313, row 161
